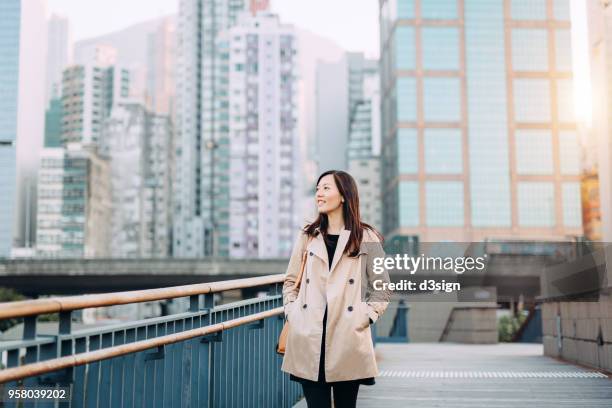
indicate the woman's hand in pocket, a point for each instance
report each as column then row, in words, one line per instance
column 287, row 309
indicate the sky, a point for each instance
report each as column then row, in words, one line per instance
column 91, row 18
column 352, row 24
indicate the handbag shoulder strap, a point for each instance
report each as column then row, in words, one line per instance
column 298, row 281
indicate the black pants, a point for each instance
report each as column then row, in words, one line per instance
column 318, row 395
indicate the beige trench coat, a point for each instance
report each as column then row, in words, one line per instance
column 349, row 352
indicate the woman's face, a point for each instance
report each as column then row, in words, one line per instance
column 328, row 196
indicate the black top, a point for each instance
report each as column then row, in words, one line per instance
column 330, row 243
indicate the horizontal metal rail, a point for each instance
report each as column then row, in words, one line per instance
column 61, row 304
column 43, row 367
column 202, row 355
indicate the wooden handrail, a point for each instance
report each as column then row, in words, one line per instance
column 43, row 367
column 24, row 308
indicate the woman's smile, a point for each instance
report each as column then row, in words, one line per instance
column 327, row 195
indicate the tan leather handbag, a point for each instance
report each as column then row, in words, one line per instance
column 282, row 338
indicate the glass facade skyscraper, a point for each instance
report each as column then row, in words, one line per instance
column 9, row 73
column 477, row 119
column 22, row 85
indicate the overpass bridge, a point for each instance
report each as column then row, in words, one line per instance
column 512, row 276
column 34, row 277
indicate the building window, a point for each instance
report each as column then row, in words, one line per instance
column 572, row 209
column 443, row 151
column 404, row 47
column 405, row 8
column 442, row 101
column 444, row 203
column 536, row 204
column 561, row 9
column 440, row 48
column 534, row 152
column 439, row 9
column 569, row 153
column 532, row 100
column 406, row 99
column 565, row 98
column 407, row 151
column 563, row 50
column 408, row 204
column 529, row 49
column 528, row 9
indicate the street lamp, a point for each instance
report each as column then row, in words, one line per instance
column 153, row 184
column 211, row 145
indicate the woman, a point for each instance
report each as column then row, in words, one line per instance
column 329, row 343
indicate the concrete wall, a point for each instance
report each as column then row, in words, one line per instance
column 473, row 322
column 579, row 332
column 474, row 325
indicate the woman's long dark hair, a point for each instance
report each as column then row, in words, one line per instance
column 352, row 219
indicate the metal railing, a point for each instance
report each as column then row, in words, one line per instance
column 392, row 327
column 208, row 356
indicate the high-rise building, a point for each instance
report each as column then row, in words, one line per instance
column 332, row 114
column 59, row 54
column 97, row 53
column 597, row 183
column 479, row 134
column 256, row 6
column 265, row 170
column 9, row 74
column 50, row 199
column 312, row 49
column 161, row 67
column 201, row 221
column 75, row 202
column 53, row 123
column 138, row 145
column 134, row 52
column 59, row 57
column 22, row 86
column 88, row 94
column 361, row 70
column 339, row 87
column 75, row 187
column 363, row 148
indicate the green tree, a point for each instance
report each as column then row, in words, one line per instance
column 9, row 295
column 507, row 326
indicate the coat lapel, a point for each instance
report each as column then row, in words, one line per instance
column 342, row 241
column 317, row 246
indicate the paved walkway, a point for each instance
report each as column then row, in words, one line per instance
column 427, row 375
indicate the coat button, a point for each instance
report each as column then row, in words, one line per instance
column 304, row 306
column 311, row 254
column 351, row 281
column 350, row 308
column 307, row 280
